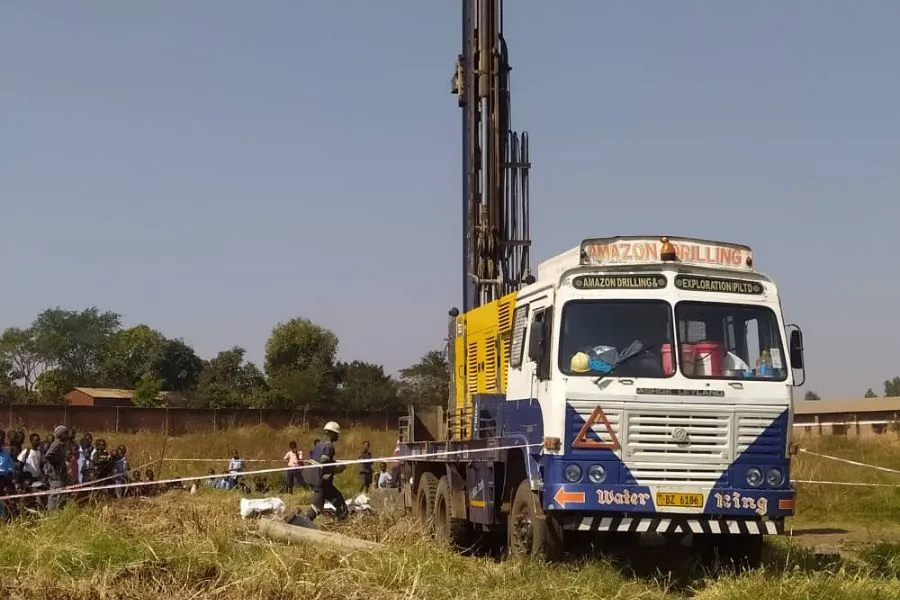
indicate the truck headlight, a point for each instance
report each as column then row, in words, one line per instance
column 573, row 473
column 596, row 473
column 754, row 477
column 774, row 477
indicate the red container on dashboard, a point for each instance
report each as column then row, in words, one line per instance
column 667, row 359
column 708, row 357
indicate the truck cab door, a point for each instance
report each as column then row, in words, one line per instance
column 540, row 347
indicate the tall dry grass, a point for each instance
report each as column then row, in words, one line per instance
column 820, row 503
column 181, row 546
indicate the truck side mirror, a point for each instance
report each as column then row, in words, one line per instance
column 543, row 366
column 795, row 352
column 539, row 342
column 796, row 345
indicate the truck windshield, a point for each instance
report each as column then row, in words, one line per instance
column 596, row 335
column 730, row 341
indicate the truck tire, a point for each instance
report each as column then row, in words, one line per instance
column 425, row 495
column 458, row 533
column 529, row 531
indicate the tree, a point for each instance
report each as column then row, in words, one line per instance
column 71, row 341
column 147, row 392
column 178, row 366
column 811, row 395
column 364, row 386
column 870, row 394
column 7, row 385
column 892, row 387
column 227, row 381
column 19, row 348
column 130, row 355
column 53, row 384
column 300, row 363
column 427, row 383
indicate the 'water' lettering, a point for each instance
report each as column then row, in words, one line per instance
column 623, row 498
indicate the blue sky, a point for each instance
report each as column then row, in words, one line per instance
column 212, row 168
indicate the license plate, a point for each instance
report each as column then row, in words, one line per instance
column 679, row 500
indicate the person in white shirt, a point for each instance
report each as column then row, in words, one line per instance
column 293, row 458
column 235, row 468
column 384, row 477
column 30, row 458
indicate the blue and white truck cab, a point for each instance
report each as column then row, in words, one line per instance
column 638, row 385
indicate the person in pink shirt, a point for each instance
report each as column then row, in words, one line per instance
column 292, row 476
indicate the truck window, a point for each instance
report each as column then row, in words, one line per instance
column 598, row 334
column 517, row 341
column 729, row 341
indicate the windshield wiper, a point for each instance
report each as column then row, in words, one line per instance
column 621, row 362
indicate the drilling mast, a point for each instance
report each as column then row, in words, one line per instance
column 495, row 163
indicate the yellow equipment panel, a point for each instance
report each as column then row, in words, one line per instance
column 481, row 351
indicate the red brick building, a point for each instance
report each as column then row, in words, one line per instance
column 85, row 396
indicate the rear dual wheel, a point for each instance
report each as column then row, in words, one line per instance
column 426, row 493
column 457, row 533
column 531, row 533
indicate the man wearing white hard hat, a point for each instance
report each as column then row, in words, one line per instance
column 322, row 478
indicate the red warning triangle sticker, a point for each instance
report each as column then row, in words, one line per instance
column 597, row 417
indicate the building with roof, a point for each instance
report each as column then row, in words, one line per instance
column 856, row 417
column 85, row 396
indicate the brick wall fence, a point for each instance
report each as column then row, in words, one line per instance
column 177, row 421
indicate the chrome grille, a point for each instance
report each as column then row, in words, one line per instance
column 650, row 437
column 758, row 429
column 649, row 472
column 715, row 437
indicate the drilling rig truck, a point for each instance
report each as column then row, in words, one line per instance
column 635, row 385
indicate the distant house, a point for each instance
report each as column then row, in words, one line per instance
column 856, row 417
column 85, row 396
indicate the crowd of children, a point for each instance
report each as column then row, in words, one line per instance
column 26, row 468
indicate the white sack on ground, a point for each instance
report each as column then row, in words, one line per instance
column 261, row 506
column 358, row 504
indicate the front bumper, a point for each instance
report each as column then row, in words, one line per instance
column 670, row 524
column 670, row 500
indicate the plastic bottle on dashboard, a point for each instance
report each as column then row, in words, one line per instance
column 764, row 364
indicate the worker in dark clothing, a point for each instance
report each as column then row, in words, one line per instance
column 323, row 477
column 365, row 469
column 55, row 466
column 104, row 463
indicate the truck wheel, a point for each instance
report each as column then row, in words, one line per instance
column 531, row 532
column 428, row 483
column 456, row 532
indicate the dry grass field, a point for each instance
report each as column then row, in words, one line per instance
column 181, row 546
